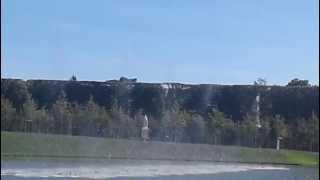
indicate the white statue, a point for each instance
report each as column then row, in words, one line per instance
column 258, row 111
column 278, row 143
column 145, row 122
column 145, row 129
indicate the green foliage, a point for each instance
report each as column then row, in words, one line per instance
column 150, row 98
column 32, row 118
column 61, row 114
column 44, row 93
column 278, row 128
column 197, row 114
column 263, row 139
column 249, row 131
column 173, row 118
column 173, row 123
column 260, row 82
column 121, row 124
column 290, row 103
column 297, row 82
column 16, row 91
column 73, row 78
column 196, row 128
column 236, row 101
column 307, row 133
column 221, row 129
column 8, row 114
column 315, row 134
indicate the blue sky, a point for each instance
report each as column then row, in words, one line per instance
column 206, row 41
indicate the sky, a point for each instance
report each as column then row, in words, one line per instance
column 206, row 41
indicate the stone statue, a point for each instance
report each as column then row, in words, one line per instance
column 145, row 129
column 258, row 111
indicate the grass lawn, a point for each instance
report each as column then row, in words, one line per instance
column 17, row 145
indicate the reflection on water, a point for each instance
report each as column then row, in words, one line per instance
column 134, row 169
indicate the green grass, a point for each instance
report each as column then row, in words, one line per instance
column 21, row 145
column 303, row 158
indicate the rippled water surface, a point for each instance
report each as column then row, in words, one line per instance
column 158, row 170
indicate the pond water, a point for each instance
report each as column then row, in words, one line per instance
column 157, row 170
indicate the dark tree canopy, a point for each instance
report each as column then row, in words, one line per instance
column 73, row 78
column 298, row 82
column 260, row 82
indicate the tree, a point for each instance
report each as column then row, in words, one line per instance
column 121, row 124
column 178, row 119
column 28, row 114
column 315, row 137
column 16, row 91
column 62, row 116
column 73, row 78
column 222, row 130
column 307, row 134
column 41, row 121
column 8, row 114
column 89, row 119
column 127, row 80
column 195, row 128
column 32, row 118
column 44, row 93
column 150, row 98
column 249, row 131
column 173, row 122
column 122, row 96
column 298, row 82
column 260, row 82
column 278, row 129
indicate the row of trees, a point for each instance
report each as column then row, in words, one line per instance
column 64, row 118
column 175, row 124
column 182, row 113
column 235, row 102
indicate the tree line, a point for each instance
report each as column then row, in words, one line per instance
column 174, row 125
column 178, row 116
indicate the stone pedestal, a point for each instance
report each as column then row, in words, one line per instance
column 145, row 133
